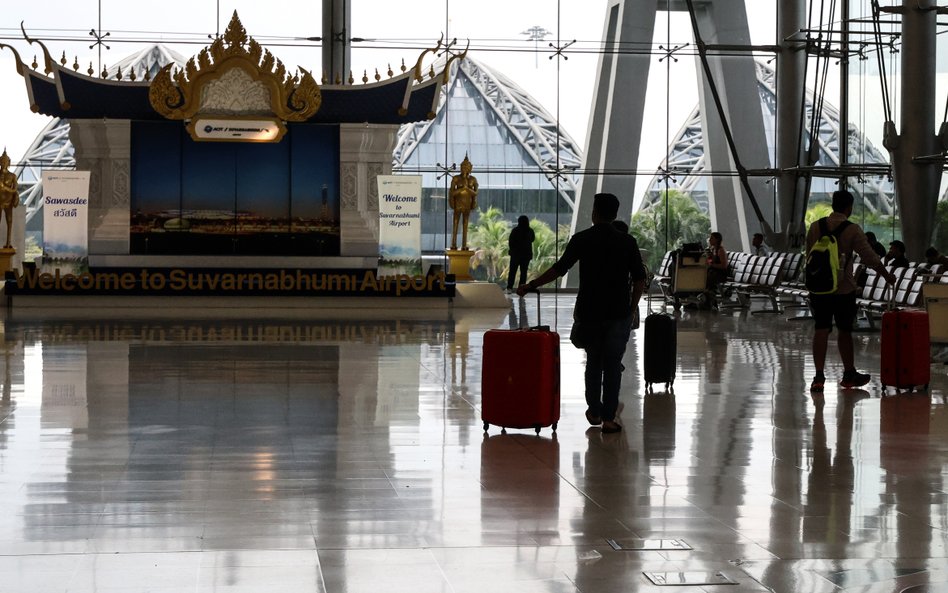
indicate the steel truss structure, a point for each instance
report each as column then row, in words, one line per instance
column 556, row 154
column 685, row 167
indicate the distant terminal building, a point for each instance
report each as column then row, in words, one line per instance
column 514, row 144
column 686, row 156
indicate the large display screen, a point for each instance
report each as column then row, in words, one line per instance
column 203, row 198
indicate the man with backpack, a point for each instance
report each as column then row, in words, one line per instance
column 830, row 243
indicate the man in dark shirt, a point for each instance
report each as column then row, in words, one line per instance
column 520, row 248
column 895, row 258
column 933, row 258
column 874, row 243
column 608, row 260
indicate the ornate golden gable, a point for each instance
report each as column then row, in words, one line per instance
column 229, row 79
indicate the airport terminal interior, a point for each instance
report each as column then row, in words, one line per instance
column 235, row 437
column 308, row 451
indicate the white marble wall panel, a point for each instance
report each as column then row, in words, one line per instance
column 103, row 148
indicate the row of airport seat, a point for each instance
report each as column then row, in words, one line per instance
column 779, row 276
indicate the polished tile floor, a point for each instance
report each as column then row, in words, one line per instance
column 261, row 452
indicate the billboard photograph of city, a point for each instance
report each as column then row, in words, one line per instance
column 244, row 198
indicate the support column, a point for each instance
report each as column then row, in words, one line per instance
column 365, row 152
column 791, row 68
column 615, row 121
column 731, row 212
column 615, row 125
column 103, row 147
column 336, row 44
column 917, row 182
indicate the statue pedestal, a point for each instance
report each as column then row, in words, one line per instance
column 459, row 263
column 6, row 260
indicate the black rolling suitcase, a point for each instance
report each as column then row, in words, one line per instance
column 661, row 349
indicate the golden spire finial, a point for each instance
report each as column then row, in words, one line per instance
column 403, row 65
column 132, row 76
column 390, row 73
column 235, row 34
column 75, row 64
column 63, row 60
column 431, row 72
column 35, row 65
column 118, row 75
column 147, row 75
column 378, row 76
column 325, row 79
column 338, row 78
column 365, row 76
column 91, row 70
column 105, row 71
column 351, row 79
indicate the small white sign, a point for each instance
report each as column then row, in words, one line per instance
column 236, row 130
column 65, row 215
column 399, row 224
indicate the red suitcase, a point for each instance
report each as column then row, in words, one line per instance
column 906, row 357
column 520, row 378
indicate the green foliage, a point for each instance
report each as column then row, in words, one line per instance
column 885, row 227
column 488, row 237
column 656, row 233
column 547, row 247
column 816, row 212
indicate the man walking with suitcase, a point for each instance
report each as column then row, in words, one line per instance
column 608, row 260
column 839, row 302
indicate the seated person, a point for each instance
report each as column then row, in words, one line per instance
column 874, row 243
column 717, row 263
column 758, row 247
column 932, row 257
column 896, row 255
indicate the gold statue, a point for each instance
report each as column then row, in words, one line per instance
column 9, row 196
column 463, row 199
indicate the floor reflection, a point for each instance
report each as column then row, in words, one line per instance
column 345, row 454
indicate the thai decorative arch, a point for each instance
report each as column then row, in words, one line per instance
column 199, row 89
column 52, row 149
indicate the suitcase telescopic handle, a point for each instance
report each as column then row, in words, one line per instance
column 537, row 290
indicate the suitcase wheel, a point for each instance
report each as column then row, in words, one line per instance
column 554, row 427
column 486, row 426
column 536, row 427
